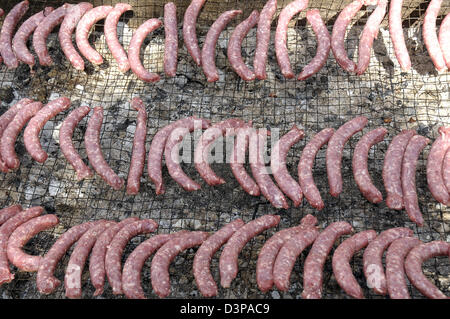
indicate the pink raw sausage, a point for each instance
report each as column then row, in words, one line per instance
column 430, row 36
column 263, row 38
column 171, row 40
column 8, row 212
column 444, row 39
column 396, row 33
column 189, row 30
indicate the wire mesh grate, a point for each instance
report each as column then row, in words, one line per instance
column 388, row 97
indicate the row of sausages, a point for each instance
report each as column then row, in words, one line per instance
column 81, row 17
column 105, row 242
column 399, row 166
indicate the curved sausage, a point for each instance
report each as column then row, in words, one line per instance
column 115, row 250
column 435, row 166
column 360, row 166
column 267, row 187
column 5, row 231
column 368, row 35
column 392, row 169
column 66, row 144
column 396, row 33
column 228, row 262
column 395, row 266
column 66, row 30
column 263, row 39
column 202, row 259
column 281, row 50
column 415, row 146
column 305, row 166
column 5, row 119
column 117, row 51
column 46, row 282
column 237, row 162
column 189, row 30
column 268, row 253
column 288, row 254
column 430, row 36
column 338, row 35
column 287, row 184
column 43, row 30
column 209, row 46
column 74, row 270
column 444, row 39
column 7, row 31
column 97, row 270
column 34, row 127
column 138, row 152
column 171, row 39
column 323, row 45
column 372, row 258
column 235, row 44
column 335, row 149
column 446, row 170
column 11, row 132
column 314, row 262
column 413, row 266
column 135, row 48
column 203, row 147
column 161, row 261
column 94, row 152
column 8, row 212
column 131, row 274
column 21, row 236
column 19, row 42
column 156, row 151
column 82, row 32
column 341, row 262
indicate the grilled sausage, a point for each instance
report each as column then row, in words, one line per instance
column 8, row 212
column 395, row 266
column 335, row 149
column 235, row 44
column 117, row 51
column 21, row 235
column 171, row 40
column 228, row 262
column 6, row 34
column 43, row 30
column 209, row 46
column 66, row 30
column 372, row 258
column 97, row 270
column 306, row 164
column 287, row 184
column 94, row 152
column 338, row 35
column 430, row 36
column 34, row 127
column 435, row 166
column 115, row 250
column 271, row 248
column 135, row 48
column 138, row 152
column 281, row 50
column 415, row 146
column 160, row 264
column 5, row 232
column 263, row 39
column 396, row 33
column 360, row 166
column 323, row 45
column 85, row 24
column 202, row 259
column 392, row 169
column 66, row 144
column 313, row 267
column 19, row 42
column 12, row 131
column 341, row 262
column 46, row 282
column 189, row 30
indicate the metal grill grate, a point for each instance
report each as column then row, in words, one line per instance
column 389, row 98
